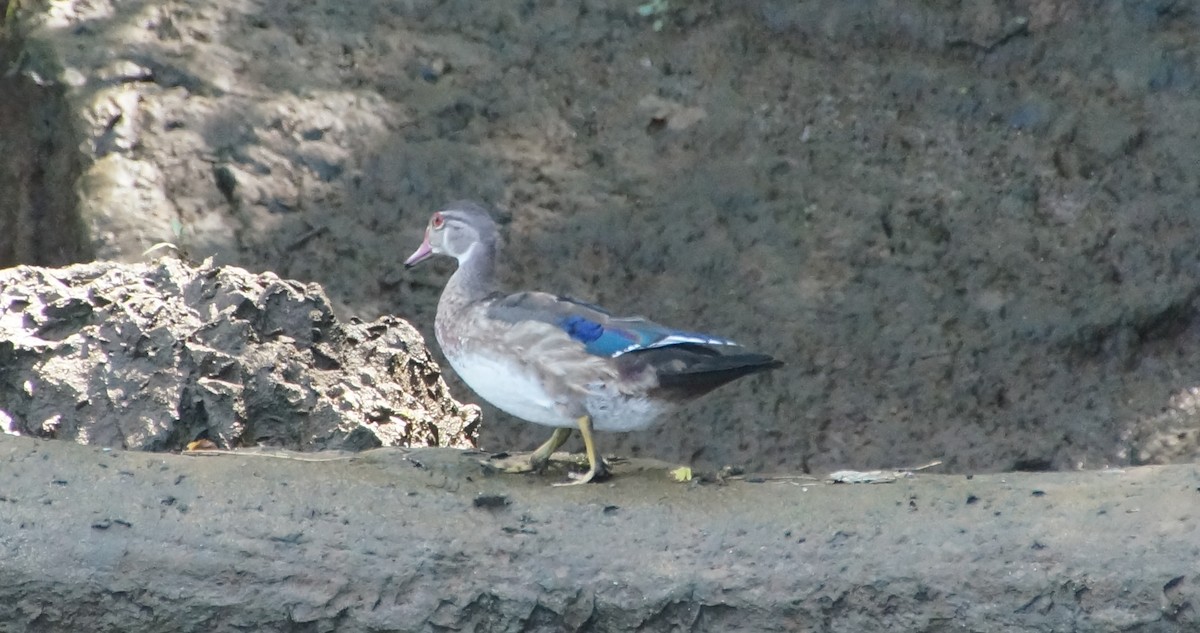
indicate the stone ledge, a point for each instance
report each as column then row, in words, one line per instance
column 430, row 540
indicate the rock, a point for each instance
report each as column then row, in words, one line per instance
column 154, row 356
column 673, row 116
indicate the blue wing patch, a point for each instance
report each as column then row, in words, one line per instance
column 597, row 339
column 600, row 333
column 581, row 329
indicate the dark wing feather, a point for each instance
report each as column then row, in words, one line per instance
column 688, row 371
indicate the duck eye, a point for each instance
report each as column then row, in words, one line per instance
column 438, row 221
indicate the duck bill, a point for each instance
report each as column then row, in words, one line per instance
column 424, row 252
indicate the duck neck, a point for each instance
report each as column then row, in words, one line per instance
column 475, row 277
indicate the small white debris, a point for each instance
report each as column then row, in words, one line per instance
column 8, row 424
column 864, row 476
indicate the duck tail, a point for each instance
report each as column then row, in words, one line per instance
column 689, row 371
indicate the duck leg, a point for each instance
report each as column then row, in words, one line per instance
column 541, row 456
column 597, row 469
column 537, row 460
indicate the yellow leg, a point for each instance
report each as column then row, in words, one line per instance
column 597, row 469
column 541, row 456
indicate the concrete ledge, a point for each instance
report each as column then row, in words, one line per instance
column 431, row 540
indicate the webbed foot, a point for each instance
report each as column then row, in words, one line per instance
column 598, row 472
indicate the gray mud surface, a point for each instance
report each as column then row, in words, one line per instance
column 968, row 228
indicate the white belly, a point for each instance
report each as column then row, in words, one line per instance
column 512, row 389
column 515, row 389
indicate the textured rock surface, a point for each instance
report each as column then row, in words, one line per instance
column 969, row 228
column 425, row 540
column 154, row 356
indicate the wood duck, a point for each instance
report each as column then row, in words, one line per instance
column 560, row 362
